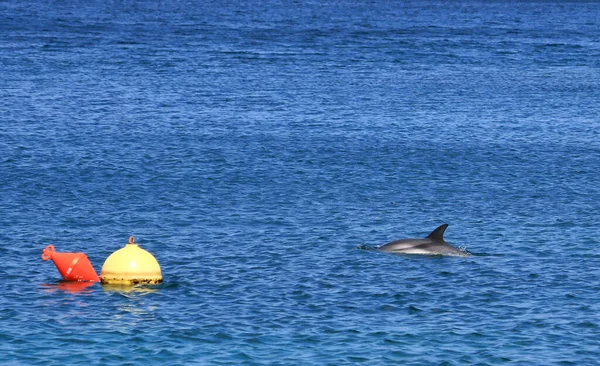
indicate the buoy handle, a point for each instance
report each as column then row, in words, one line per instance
column 131, row 240
column 48, row 252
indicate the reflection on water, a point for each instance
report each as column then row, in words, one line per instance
column 72, row 287
column 121, row 308
column 130, row 290
column 87, row 287
column 132, row 306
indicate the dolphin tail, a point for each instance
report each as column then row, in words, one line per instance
column 438, row 234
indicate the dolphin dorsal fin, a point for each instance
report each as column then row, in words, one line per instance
column 438, row 234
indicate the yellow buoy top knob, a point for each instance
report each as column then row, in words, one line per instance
column 131, row 265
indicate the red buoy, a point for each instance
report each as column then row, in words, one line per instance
column 72, row 266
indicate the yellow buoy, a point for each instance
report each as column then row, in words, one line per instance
column 131, row 265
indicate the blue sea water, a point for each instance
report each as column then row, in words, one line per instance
column 255, row 148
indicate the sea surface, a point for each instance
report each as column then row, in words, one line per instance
column 258, row 148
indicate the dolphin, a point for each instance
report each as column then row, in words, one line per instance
column 433, row 244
